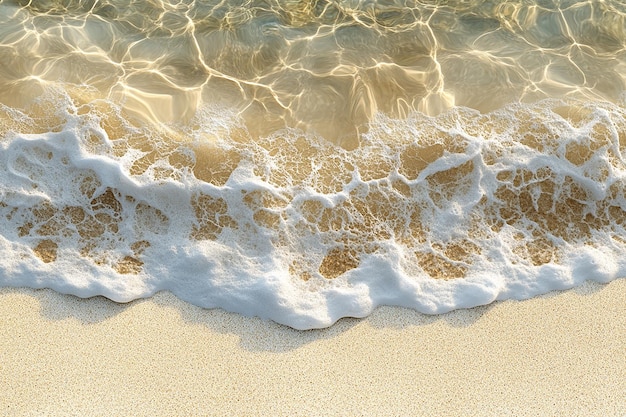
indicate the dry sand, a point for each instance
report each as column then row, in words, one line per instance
column 561, row 354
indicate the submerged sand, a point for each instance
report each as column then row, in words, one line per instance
column 560, row 354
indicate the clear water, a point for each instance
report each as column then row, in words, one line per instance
column 308, row 160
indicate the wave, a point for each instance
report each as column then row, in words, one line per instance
column 432, row 213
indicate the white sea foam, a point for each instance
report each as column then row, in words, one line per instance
column 430, row 213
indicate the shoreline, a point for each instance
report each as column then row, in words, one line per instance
column 557, row 354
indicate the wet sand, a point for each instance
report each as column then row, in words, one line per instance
column 560, row 354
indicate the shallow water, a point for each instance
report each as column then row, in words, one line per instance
column 308, row 160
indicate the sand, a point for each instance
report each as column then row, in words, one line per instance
column 560, row 354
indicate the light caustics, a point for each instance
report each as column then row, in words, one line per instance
column 309, row 160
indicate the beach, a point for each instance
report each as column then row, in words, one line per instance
column 558, row 354
column 300, row 208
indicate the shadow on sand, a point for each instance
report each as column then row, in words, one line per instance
column 256, row 334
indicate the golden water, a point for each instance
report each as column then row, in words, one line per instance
column 322, row 66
